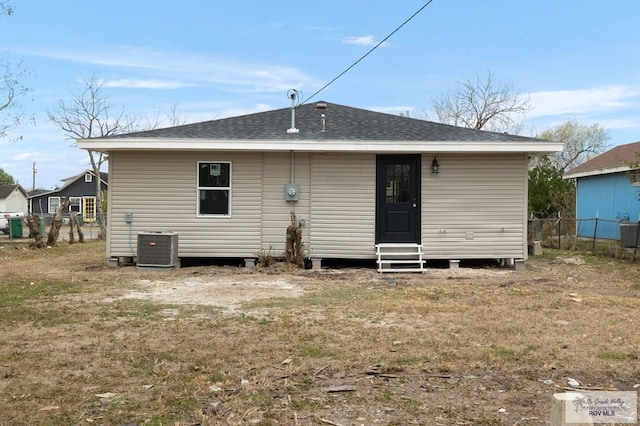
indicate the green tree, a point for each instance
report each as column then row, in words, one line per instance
column 549, row 194
column 634, row 172
column 6, row 178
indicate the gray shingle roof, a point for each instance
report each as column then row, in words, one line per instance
column 340, row 123
column 6, row 190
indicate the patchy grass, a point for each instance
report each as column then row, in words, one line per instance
column 443, row 347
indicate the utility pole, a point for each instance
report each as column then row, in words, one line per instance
column 35, row 172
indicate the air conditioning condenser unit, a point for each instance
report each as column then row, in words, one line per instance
column 158, row 249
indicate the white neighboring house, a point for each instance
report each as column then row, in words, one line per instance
column 13, row 199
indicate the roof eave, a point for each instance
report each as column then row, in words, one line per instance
column 191, row 144
column 596, row 172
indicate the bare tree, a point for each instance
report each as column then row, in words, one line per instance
column 581, row 142
column 171, row 118
column 482, row 104
column 11, row 87
column 88, row 114
column 6, row 8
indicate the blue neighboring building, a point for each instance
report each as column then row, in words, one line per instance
column 605, row 190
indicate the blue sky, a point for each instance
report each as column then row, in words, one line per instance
column 212, row 59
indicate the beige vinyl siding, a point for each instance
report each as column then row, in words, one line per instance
column 475, row 207
column 276, row 210
column 160, row 190
column 343, row 206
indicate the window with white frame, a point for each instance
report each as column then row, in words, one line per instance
column 214, row 188
column 88, row 177
column 54, row 204
column 75, row 204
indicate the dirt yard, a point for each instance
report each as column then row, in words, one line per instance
column 82, row 343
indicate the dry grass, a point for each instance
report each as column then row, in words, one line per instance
column 357, row 347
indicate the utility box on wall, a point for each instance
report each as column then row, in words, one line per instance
column 291, row 192
column 158, row 249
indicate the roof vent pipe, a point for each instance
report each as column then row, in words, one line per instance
column 293, row 95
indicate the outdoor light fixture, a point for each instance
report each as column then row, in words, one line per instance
column 435, row 167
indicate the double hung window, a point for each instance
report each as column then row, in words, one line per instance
column 214, row 188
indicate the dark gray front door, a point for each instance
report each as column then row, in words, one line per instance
column 398, row 199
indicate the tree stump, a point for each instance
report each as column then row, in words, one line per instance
column 33, row 221
column 74, row 223
column 54, row 231
column 294, row 249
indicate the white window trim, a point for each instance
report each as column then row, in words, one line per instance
column 79, row 203
column 223, row 188
column 88, row 177
column 49, row 205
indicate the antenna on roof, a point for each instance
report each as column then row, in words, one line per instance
column 295, row 101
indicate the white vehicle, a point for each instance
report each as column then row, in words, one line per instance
column 4, row 221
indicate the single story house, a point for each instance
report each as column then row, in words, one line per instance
column 604, row 190
column 13, row 199
column 80, row 190
column 360, row 182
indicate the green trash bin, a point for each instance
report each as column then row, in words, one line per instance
column 41, row 226
column 15, row 227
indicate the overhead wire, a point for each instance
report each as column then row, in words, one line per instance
column 368, row 53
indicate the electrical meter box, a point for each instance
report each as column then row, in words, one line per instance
column 291, row 192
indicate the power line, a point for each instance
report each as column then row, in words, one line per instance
column 369, row 52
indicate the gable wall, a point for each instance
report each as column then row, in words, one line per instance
column 276, row 210
column 15, row 202
column 159, row 189
column 476, row 207
column 343, row 205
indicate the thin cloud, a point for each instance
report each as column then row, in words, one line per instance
column 367, row 40
column 23, row 156
column 165, row 68
column 145, row 84
column 621, row 123
column 584, row 101
column 405, row 110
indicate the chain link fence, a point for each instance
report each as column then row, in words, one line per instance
column 609, row 237
column 90, row 229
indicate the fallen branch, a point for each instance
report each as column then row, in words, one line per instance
column 334, row 389
column 328, row 422
column 320, row 370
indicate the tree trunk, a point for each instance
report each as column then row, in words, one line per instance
column 33, row 221
column 294, row 251
column 100, row 216
column 74, row 221
column 54, row 231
